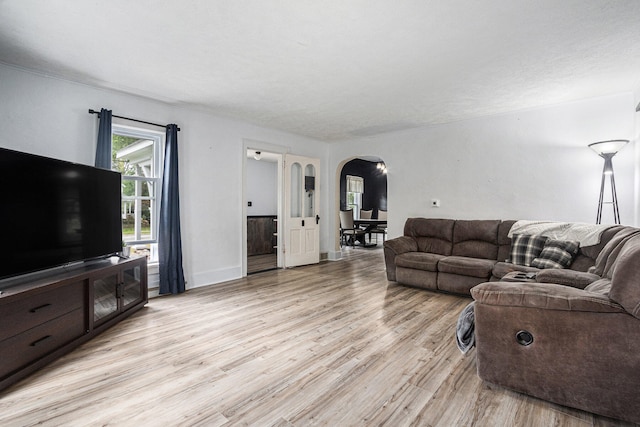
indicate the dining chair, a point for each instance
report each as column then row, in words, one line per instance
column 365, row 214
column 348, row 230
column 382, row 215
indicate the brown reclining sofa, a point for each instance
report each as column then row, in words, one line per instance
column 567, row 335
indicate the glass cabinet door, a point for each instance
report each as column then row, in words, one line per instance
column 132, row 286
column 105, row 297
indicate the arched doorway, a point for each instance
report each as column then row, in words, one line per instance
column 362, row 186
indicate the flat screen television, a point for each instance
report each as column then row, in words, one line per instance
column 55, row 212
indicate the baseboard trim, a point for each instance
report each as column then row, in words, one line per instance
column 215, row 276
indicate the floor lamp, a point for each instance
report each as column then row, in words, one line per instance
column 606, row 150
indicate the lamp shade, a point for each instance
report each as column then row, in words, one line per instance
column 609, row 148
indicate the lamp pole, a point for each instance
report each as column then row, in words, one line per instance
column 608, row 170
column 606, row 150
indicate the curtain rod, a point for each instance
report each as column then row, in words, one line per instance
column 91, row 111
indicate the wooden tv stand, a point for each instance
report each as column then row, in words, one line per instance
column 47, row 315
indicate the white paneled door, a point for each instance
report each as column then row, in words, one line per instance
column 302, row 220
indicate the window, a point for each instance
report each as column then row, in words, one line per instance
column 355, row 188
column 135, row 153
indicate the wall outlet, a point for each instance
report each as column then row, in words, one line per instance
column 435, row 203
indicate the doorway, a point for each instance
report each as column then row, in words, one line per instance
column 362, row 184
column 262, row 183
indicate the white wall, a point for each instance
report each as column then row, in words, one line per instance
column 524, row 165
column 262, row 187
column 49, row 117
column 531, row 164
column 636, row 138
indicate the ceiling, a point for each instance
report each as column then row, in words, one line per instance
column 334, row 69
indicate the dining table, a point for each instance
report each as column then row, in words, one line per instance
column 368, row 225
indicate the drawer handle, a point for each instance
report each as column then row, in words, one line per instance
column 43, row 306
column 40, row 341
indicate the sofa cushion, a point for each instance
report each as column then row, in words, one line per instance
column 525, row 248
column 476, row 239
column 418, row 278
column 433, row 235
column 592, row 253
column 625, row 279
column 458, row 284
column 504, row 242
column 601, row 286
column 419, row 261
column 607, row 257
column 465, row 266
column 556, row 254
column 566, row 277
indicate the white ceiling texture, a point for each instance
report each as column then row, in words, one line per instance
column 334, row 69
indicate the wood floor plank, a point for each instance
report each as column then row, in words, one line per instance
column 330, row 344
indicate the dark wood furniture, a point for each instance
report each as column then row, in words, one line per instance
column 371, row 223
column 262, row 234
column 371, row 226
column 43, row 316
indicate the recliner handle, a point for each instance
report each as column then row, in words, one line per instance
column 524, row 338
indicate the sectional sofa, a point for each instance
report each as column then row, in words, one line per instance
column 456, row 255
column 567, row 335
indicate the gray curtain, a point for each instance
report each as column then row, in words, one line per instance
column 103, row 150
column 169, row 241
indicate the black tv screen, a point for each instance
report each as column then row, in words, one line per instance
column 55, row 212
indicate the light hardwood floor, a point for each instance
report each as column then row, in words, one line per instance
column 331, row 344
column 258, row 263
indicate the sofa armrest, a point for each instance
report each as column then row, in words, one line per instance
column 547, row 296
column 394, row 247
column 573, row 278
column 401, row 245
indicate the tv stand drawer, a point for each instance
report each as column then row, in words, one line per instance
column 23, row 349
column 35, row 309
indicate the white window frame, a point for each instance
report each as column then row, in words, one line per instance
column 355, row 185
column 158, row 139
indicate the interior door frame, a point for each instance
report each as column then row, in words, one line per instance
column 280, row 151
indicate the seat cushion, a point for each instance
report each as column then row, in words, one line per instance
column 566, row 277
column 419, row 261
column 473, row 267
column 625, row 278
